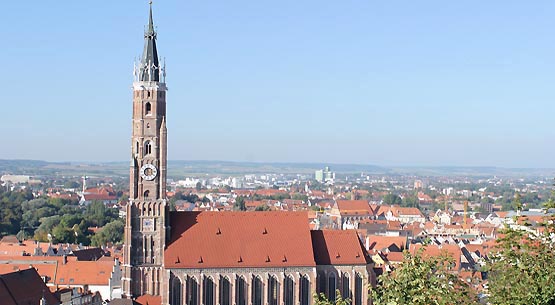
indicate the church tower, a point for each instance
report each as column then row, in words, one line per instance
column 146, row 226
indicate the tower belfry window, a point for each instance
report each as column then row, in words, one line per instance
column 148, row 147
column 148, row 108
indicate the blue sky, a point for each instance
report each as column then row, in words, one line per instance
column 428, row 83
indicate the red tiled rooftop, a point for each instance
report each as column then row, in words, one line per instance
column 354, row 206
column 148, row 299
column 239, row 239
column 338, row 247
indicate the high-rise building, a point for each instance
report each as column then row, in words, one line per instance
column 147, row 223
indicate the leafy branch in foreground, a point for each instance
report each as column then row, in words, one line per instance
column 423, row 280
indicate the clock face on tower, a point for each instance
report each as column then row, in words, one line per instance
column 148, row 172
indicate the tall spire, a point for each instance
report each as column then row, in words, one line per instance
column 149, row 69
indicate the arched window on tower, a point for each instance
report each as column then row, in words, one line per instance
column 148, row 109
column 148, row 148
column 146, row 193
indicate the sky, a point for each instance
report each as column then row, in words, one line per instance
column 391, row 83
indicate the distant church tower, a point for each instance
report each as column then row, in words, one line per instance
column 146, row 226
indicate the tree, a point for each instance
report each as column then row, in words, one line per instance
column 422, row 281
column 522, row 269
column 111, row 232
column 262, row 207
column 239, row 204
column 321, row 299
column 198, row 186
column 392, row 199
column 517, row 204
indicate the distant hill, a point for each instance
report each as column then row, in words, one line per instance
column 179, row 168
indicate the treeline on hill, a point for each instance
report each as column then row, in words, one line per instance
column 65, row 220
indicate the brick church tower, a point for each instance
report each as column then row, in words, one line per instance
column 146, row 226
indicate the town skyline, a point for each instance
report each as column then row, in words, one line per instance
column 334, row 83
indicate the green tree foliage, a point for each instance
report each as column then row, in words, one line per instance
column 111, row 232
column 522, row 270
column 239, row 204
column 517, row 204
column 321, row 299
column 10, row 210
column 411, row 201
column 298, row 196
column 423, row 281
column 392, row 199
column 262, row 207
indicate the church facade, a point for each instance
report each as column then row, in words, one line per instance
column 220, row 258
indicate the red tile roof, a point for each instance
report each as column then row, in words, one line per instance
column 338, row 247
column 148, row 299
column 84, row 272
column 239, row 239
column 380, row 242
column 24, row 287
column 354, row 207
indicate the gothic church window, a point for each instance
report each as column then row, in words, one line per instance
column 192, row 291
column 208, row 291
column 288, row 291
column 331, row 287
column 358, row 289
column 304, row 290
column 273, row 290
column 257, row 291
column 240, row 291
column 176, row 292
column 225, row 291
column 345, row 291
column 148, row 148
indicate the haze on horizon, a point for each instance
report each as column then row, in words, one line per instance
column 398, row 83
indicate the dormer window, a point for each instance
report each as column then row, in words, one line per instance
column 148, row 109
